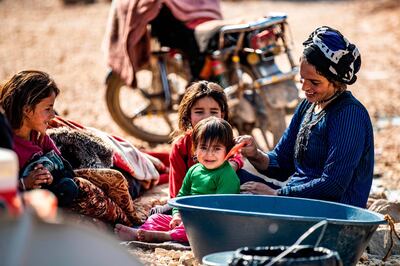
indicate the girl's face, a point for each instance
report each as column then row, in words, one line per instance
column 203, row 108
column 211, row 156
column 39, row 117
column 315, row 86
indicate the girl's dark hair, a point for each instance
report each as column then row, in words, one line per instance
column 213, row 130
column 195, row 92
column 25, row 89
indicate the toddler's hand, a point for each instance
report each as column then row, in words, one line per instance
column 176, row 221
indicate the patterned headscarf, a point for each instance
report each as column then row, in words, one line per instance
column 332, row 55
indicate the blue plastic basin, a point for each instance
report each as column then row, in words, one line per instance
column 216, row 223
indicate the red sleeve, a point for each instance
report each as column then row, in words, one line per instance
column 180, row 161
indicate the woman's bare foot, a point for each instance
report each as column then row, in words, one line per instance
column 153, row 236
column 126, row 233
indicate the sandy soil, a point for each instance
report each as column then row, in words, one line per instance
column 66, row 42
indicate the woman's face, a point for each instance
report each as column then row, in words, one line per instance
column 212, row 155
column 38, row 119
column 203, row 108
column 315, row 86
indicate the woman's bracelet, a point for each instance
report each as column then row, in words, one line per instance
column 22, row 184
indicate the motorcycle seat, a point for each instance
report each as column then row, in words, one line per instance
column 204, row 32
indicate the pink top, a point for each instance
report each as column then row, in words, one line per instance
column 38, row 145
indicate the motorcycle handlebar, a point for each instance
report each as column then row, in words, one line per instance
column 259, row 24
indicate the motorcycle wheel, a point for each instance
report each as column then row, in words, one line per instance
column 140, row 113
column 274, row 122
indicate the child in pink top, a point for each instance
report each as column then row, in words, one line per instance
column 28, row 100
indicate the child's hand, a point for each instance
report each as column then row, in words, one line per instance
column 176, row 220
column 236, row 162
column 234, row 165
column 38, row 177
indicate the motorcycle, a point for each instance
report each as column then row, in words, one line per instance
column 242, row 58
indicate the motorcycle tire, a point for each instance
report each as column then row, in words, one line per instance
column 157, row 121
column 275, row 117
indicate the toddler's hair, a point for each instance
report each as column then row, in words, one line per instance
column 213, row 130
column 194, row 92
column 25, row 89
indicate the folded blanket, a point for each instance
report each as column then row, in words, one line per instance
column 93, row 148
column 82, row 148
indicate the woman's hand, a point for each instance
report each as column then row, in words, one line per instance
column 176, row 221
column 257, row 188
column 256, row 157
column 249, row 150
column 38, row 177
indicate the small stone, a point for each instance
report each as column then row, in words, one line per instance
column 380, row 241
column 160, row 251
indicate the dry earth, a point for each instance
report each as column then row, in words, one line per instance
column 65, row 41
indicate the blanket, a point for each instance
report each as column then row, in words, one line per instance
column 93, row 148
column 82, row 149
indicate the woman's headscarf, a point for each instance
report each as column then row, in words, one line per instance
column 332, row 55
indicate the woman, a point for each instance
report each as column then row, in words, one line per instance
column 328, row 148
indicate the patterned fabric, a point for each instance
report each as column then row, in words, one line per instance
column 332, row 55
column 94, row 203
column 114, row 186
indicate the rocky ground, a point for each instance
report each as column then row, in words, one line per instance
column 65, row 41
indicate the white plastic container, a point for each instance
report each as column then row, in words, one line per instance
column 8, row 177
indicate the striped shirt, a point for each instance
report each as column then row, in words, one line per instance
column 338, row 162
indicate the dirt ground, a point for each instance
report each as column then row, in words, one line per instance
column 65, row 41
